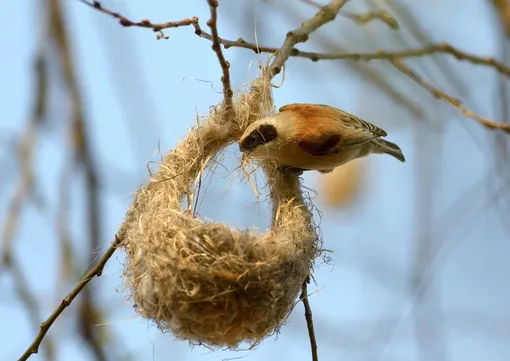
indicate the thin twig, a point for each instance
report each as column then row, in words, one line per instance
column 440, row 48
column 309, row 319
column 381, row 54
column 378, row 79
column 225, row 65
column 144, row 23
column 431, row 49
column 326, row 15
column 45, row 326
column 436, row 93
column 300, row 35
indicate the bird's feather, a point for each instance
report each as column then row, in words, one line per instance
column 310, row 111
column 329, row 128
column 320, row 145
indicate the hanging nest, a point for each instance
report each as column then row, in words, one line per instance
column 205, row 282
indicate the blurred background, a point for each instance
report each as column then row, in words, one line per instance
column 420, row 251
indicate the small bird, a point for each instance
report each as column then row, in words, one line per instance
column 318, row 137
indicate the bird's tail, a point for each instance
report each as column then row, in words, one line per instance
column 385, row 147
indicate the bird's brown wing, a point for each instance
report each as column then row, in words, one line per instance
column 321, row 133
column 361, row 124
column 328, row 144
column 353, row 130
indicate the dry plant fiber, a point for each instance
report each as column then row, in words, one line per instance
column 205, row 282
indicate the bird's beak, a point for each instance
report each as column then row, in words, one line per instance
column 241, row 148
column 244, row 149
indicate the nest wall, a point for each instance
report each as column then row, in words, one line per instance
column 203, row 281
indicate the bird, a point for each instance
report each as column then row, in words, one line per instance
column 305, row 137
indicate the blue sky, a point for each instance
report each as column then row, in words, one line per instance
column 138, row 91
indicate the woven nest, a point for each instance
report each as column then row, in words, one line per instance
column 205, row 282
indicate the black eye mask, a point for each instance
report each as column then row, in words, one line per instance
column 262, row 135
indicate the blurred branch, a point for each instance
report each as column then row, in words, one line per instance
column 24, row 188
column 427, row 314
column 66, row 250
column 503, row 8
column 364, row 18
column 448, row 72
column 45, row 326
column 225, row 65
column 436, row 93
column 375, row 77
column 26, row 147
column 89, row 311
column 381, row 15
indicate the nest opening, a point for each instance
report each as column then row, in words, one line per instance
column 205, row 282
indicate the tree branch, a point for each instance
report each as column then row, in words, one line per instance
column 225, row 65
column 300, row 35
column 45, row 326
column 456, row 103
column 379, row 54
column 314, row 56
column 144, row 23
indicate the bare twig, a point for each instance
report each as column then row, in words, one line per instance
column 382, row 54
column 29, row 299
column 309, row 319
column 144, row 23
column 299, row 35
column 45, row 326
column 445, row 49
column 436, row 93
column 314, row 56
column 225, row 65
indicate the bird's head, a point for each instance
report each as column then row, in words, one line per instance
column 259, row 137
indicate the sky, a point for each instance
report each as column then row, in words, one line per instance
column 139, row 92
